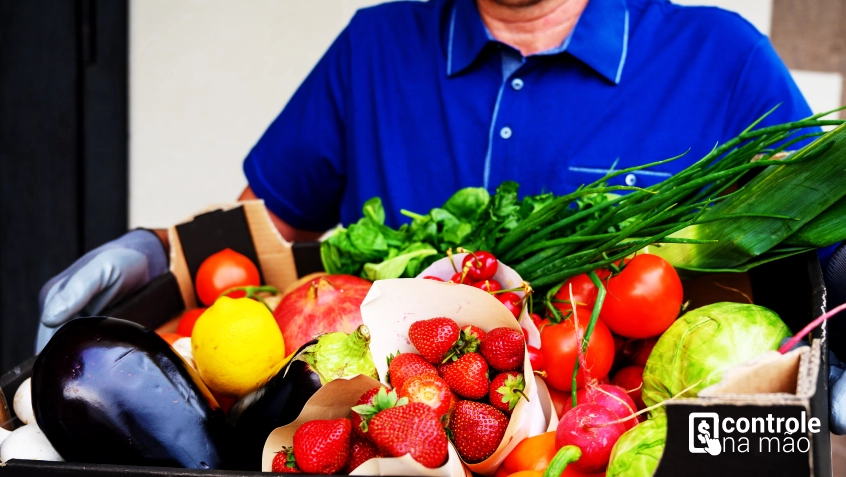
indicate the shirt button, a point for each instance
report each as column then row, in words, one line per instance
column 505, row 132
column 517, row 84
column 631, row 179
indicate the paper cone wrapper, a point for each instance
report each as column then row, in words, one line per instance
column 505, row 275
column 392, row 306
column 334, row 401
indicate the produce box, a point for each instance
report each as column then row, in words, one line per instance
column 793, row 389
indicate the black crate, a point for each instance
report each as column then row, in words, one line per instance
column 792, row 287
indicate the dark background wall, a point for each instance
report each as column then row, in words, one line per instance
column 63, row 147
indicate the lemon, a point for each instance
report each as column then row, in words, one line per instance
column 237, row 346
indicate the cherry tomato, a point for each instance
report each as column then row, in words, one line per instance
column 488, row 285
column 224, row 270
column 512, row 301
column 431, row 277
column 644, row 299
column 558, row 345
column 630, row 378
column 536, row 358
column 187, row 321
column 170, row 337
column 482, row 265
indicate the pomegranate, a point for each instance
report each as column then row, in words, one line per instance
column 321, row 305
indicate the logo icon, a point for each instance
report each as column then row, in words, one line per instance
column 704, row 433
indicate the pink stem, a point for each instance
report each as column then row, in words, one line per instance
column 807, row 329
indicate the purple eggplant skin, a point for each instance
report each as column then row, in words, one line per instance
column 109, row 391
column 273, row 405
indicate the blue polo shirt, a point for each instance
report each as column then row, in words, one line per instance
column 415, row 100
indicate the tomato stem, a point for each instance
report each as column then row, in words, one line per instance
column 451, row 261
column 253, row 292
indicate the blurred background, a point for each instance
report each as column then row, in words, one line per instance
column 118, row 114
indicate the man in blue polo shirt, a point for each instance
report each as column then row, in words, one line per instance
column 415, row 100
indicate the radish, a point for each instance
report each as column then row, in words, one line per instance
column 613, row 398
column 591, row 428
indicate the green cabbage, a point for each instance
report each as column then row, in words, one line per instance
column 638, row 451
column 700, row 345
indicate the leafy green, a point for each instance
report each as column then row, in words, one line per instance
column 638, row 451
column 695, row 350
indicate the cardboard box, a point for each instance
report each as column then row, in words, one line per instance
column 792, row 287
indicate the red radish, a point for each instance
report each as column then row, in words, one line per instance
column 613, row 398
column 587, row 427
column 324, row 304
column 630, row 378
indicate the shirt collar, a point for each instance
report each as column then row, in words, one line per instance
column 599, row 39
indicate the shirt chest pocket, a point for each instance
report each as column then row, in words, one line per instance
column 575, row 176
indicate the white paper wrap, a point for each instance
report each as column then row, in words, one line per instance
column 334, row 401
column 392, row 306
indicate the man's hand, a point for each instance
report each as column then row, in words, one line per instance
column 100, row 278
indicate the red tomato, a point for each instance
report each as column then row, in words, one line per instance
column 187, row 321
column 638, row 351
column 558, row 346
column 224, row 270
column 644, row 299
column 630, row 378
column 584, row 293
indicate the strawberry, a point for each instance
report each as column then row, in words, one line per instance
column 473, row 330
column 370, row 405
column 322, row 446
column 356, row 418
column 411, row 429
column 477, row 430
column 434, row 338
column 361, row 450
column 504, row 349
column 284, row 462
column 468, row 377
column 506, row 391
column 405, row 365
column 430, row 390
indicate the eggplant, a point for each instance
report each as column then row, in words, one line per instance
column 110, row 391
column 280, row 401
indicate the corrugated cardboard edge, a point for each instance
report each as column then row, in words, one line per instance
column 809, row 362
column 276, row 258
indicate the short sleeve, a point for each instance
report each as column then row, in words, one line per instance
column 764, row 83
column 298, row 166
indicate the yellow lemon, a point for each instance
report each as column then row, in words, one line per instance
column 237, row 346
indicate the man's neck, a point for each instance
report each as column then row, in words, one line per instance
column 531, row 27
